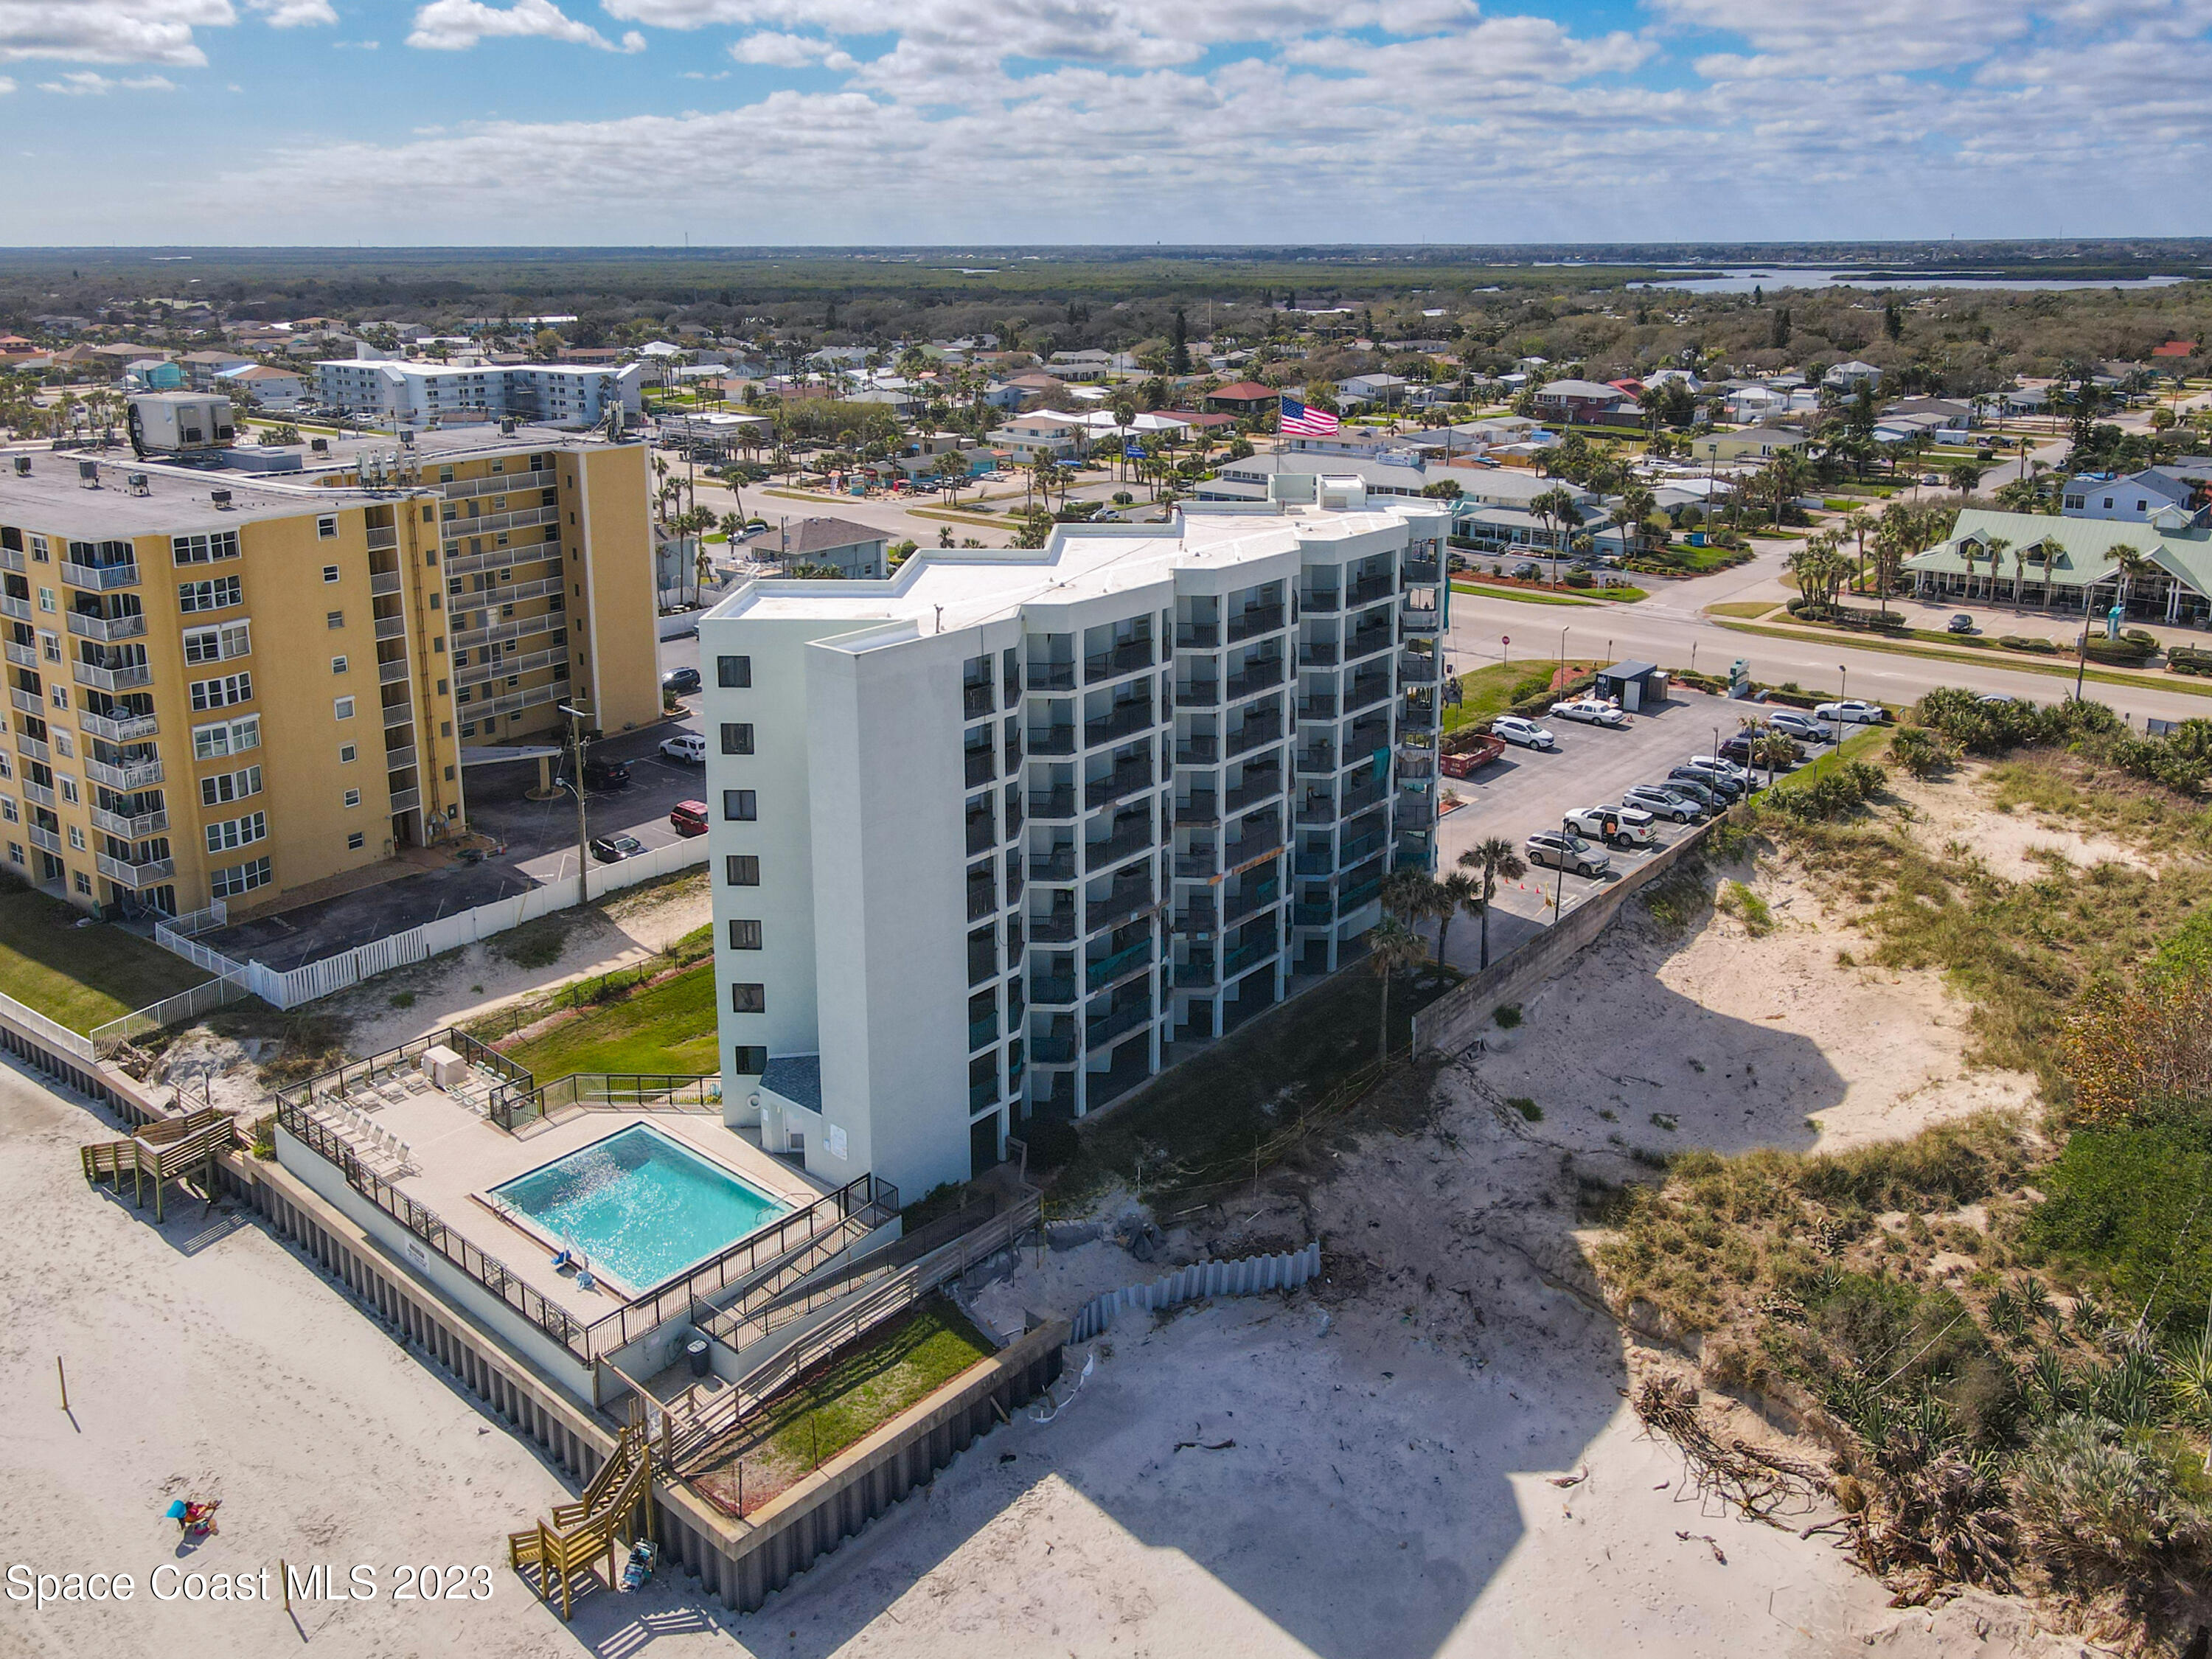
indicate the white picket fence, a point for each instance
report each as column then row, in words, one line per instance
column 185, row 1004
column 46, row 1030
column 288, row 989
column 1248, row 1276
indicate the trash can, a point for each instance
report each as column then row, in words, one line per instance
column 696, row 1351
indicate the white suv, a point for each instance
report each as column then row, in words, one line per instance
column 1568, row 853
column 1624, row 827
column 1527, row 733
column 686, row 746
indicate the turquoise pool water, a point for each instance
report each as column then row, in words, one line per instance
column 640, row 1205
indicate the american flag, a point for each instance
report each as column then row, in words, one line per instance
column 1298, row 420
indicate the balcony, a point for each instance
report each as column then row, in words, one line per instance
column 1352, row 897
column 382, row 538
column 396, row 715
column 28, row 702
column 1254, row 619
column 23, row 656
column 128, row 729
column 399, row 759
column 1244, row 958
column 1261, row 676
column 111, row 679
column 982, row 1094
column 36, row 791
column 11, row 559
column 33, row 748
column 1052, row 676
column 1420, row 570
column 1255, row 898
column 47, row 838
column 1320, row 708
column 1197, row 810
column 1107, row 969
column 1052, row 739
column 1419, row 619
column 1057, row 928
column 1128, row 898
column 86, row 625
column 390, row 673
column 136, row 875
column 1321, row 759
column 383, row 583
column 1310, row 913
column 1256, row 786
column 1322, row 863
column 1052, row 1050
column 404, row 801
column 1125, row 718
column 1198, row 694
column 1315, row 601
column 982, row 1033
column 1361, row 796
column 976, row 699
column 1055, row 990
column 1098, row 1033
column 982, row 899
column 12, row 607
column 1122, row 781
column 1053, row 803
column 1367, row 639
column 980, row 765
column 1198, row 636
column 1198, row 971
column 135, row 828
column 1196, row 917
column 1360, row 846
column 1369, row 588
column 1101, row 855
column 1197, row 865
column 1121, row 659
column 498, row 633
column 139, row 775
column 1201, row 751
column 1319, row 653
column 1366, row 690
column 1059, row 864
column 1257, row 730
column 1256, row 845
column 100, row 577
column 983, row 832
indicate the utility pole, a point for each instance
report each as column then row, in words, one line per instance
column 576, row 751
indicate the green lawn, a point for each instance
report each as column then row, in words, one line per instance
column 668, row 1028
column 1491, row 691
column 1866, row 744
column 2022, row 661
column 1525, row 595
column 81, row 976
column 1742, row 608
column 855, row 1394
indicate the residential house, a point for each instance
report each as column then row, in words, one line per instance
column 2135, row 497
column 854, row 550
column 201, row 367
column 1091, row 365
column 1849, row 377
column 263, row 386
column 1242, row 397
column 1584, row 400
column 1041, row 432
column 1387, row 390
column 1751, row 443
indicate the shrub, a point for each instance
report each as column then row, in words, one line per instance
column 1507, row 1017
column 1738, row 900
column 2098, row 1510
column 1580, row 579
column 1528, row 1108
column 1920, row 751
column 2023, row 642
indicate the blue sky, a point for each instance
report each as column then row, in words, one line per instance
column 842, row 121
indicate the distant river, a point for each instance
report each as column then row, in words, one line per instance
column 1743, row 280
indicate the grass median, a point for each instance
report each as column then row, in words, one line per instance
column 2013, row 659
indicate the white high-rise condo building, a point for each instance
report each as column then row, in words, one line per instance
column 1003, row 833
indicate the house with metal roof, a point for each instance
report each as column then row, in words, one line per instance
column 2088, row 564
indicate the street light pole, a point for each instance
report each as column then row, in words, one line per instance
column 576, row 718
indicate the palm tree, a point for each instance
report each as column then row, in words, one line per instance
column 2132, row 564
column 1636, row 504
column 1554, row 507
column 1773, row 751
column 1455, row 892
column 1856, row 522
column 1496, row 859
column 1394, row 947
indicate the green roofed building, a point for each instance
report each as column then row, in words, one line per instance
column 2162, row 568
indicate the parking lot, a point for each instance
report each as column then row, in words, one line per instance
column 1527, row 790
column 538, row 840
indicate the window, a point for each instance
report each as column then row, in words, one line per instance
column 226, row 786
column 46, row 599
column 750, row 1059
column 39, row 555
column 214, row 595
column 240, row 878
column 63, row 745
column 227, row 833
column 334, row 619
column 227, row 737
column 81, row 881
column 741, row 870
column 740, row 805
column 737, row 738
column 76, row 838
column 733, row 672
column 353, row 798
column 59, row 695
column 222, row 692
column 215, row 644
column 355, row 842
column 330, row 573
column 15, row 855
column 327, row 527
column 342, row 708
column 748, row 998
column 67, row 785
column 337, row 664
column 744, row 935
column 50, row 645
column 204, row 550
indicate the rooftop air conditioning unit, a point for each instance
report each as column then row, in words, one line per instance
column 319, row 446
column 136, row 483
column 506, row 426
column 88, row 474
column 407, row 440
column 221, row 498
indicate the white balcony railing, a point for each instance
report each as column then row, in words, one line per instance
column 112, row 679
column 100, row 577
column 128, row 730
column 136, row 875
column 88, row 627
column 140, row 774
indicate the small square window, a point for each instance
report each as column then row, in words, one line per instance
column 334, row 619
column 748, row 998
column 468, row 728
column 342, row 708
column 67, row 785
column 348, row 753
column 737, row 738
column 64, row 746
column 355, row 842
column 337, row 664
column 740, row 805
column 749, row 1059
column 327, row 527
column 76, row 838
column 741, row 870
column 330, row 573
column 81, row 881
column 731, row 671
column 353, row 798
column 744, row 935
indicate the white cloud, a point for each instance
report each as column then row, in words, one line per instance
column 457, row 25
column 110, row 31
column 782, row 51
column 354, row 45
column 6, row 85
column 293, row 14
column 1866, row 37
column 86, row 84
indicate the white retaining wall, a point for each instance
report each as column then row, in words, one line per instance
column 291, row 988
column 1247, row 1277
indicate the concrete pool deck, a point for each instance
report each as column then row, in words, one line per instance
column 459, row 1156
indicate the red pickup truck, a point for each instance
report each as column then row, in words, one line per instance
column 1479, row 752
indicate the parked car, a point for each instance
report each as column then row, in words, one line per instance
column 1662, row 803
column 1740, row 748
column 1961, row 623
column 1742, row 776
column 1566, row 852
column 1594, row 711
column 1526, row 571
column 606, row 774
column 686, row 746
column 688, row 818
column 1617, row 826
column 1797, row 723
column 681, row 680
column 1527, row 733
column 1852, row 711
column 1682, row 781
column 613, row 849
column 1723, row 787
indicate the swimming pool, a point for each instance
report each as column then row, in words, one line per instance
column 641, row 1206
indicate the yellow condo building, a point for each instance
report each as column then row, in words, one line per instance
column 229, row 681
